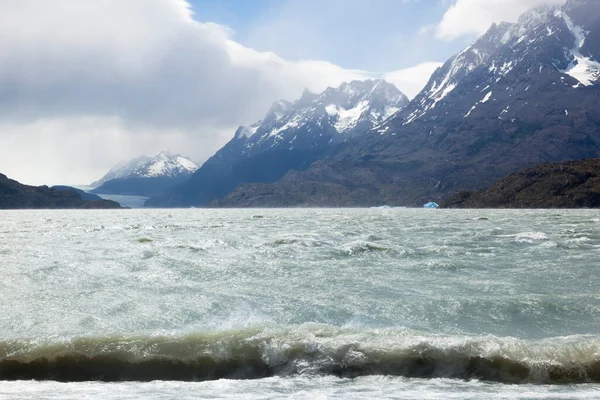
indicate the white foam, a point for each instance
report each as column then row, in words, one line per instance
column 530, row 237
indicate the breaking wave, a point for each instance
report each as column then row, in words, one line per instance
column 359, row 247
column 303, row 350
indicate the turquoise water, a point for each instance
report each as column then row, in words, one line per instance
column 376, row 303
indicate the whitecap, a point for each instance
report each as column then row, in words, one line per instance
column 530, row 237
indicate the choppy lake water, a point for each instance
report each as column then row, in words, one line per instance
column 361, row 303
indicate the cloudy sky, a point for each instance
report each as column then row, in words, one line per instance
column 85, row 84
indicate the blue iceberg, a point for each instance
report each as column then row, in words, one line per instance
column 431, row 204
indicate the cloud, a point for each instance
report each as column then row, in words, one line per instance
column 85, row 84
column 474, row 17
column 147, row 61
column 412, row 79
column 77, row 150
column 72, row 73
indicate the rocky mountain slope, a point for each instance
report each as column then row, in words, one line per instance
column 572, row 184
column 14, row 195
column 522, row 94
column 150, row 178
column 290, row 137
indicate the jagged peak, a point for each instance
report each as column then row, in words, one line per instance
column 537, row 16
column 360, row 86
column 342, row 107
column 164, row 154
column 280, row 106
column 307, row 97
column 358, row 90
column 166, row 164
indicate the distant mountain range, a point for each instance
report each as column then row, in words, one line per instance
column 290, row 137
column 145, row 176
column 121, row 170
column 524, row 93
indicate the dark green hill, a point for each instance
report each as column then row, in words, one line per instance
column 572, row 184
column 83, row 194
column 14, row 195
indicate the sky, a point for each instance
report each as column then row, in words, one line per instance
column 86, row 84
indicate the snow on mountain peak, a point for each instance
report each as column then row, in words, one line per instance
column 537, row 16
column 165, row 165
column 538, row 34
column 584, row 69
column 247, row 131
column 351, row 107
column 121, row 170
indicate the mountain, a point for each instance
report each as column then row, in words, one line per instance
column 524, row 93
column 121, row 170
column 150, row 178
column 571, row 184
column 83, row 194
column 291, row 136
column 14, row 195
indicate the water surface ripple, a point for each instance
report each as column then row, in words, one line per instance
column 340, row 299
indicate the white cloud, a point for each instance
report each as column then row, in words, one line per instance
column 474, row 17
column 85, row 84
column 412, row 79
column 77, row 150
column 144, row 60
column 72, row 73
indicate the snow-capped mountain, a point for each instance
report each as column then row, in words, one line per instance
column 165, row 165
column 318, row 120
column 550, row 43
column 150, row 178
column 291, row 136
column 121, row 170
column 524, row 93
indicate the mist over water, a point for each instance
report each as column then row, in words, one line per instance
column 322, row 302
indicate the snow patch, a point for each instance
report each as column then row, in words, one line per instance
column 484, row 100
column 471, row 110
column 584, row 69
column 187, row 164
column 248, row 131
column 487, row 97
column 289, row 125
column 347, row 119
column 165, row 165
column 332, row 110
column 389, row 111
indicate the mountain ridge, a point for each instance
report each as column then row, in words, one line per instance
column 291, row 136
column 149, row 178
column 508, row 101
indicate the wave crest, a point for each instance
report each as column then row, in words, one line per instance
column 310, row 350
